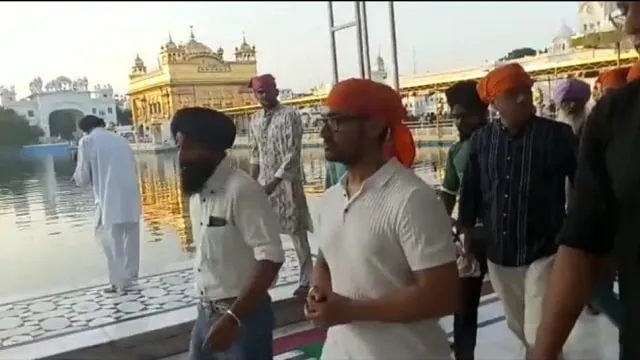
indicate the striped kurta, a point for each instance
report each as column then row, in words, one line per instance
column 276, row 146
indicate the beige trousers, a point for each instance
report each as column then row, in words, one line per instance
column 522, row 290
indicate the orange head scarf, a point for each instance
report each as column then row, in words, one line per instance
column 612, row 79
column 634, row 72
column 501, row 80
column 371, row 100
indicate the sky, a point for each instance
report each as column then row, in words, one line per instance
column 99, row 40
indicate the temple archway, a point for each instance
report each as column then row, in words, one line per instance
column 64, row 123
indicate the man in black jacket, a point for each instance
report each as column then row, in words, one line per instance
column 603, row 218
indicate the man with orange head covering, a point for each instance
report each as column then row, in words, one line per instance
column 515, row 178
column 385, row 246
column 611, row 80
column 634, row 72
column 276, row 148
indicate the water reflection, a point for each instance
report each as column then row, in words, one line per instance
column 314, row 163
column 163, row 204
column 47, row 222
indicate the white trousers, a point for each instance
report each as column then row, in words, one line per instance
column 303, row 253
column 522, row 290
column 121, row 246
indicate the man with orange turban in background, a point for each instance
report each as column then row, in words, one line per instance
column 276, row 150
column 385, row 246
column 610, row 80
column 634, row 72
column 515, row 178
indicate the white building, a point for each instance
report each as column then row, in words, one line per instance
column 562, row 41
column 122, row 101
column 594, row 16
column 61, row 94
column 418, row 104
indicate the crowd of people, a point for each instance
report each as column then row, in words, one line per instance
column 548, row 209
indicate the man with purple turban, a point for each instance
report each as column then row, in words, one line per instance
column 572, row 96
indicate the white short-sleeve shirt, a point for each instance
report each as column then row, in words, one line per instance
column 373, row 242
column 233, row 227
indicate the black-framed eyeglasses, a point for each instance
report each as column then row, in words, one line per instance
column 336, row 122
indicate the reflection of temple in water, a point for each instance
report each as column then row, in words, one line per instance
column 162, row 201
column 22, row 210
column 163, row 204
column 49, row 185
column 313, row 164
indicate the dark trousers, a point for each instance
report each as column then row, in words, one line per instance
column 606, row 301
column 465, row 320
column 255, row 338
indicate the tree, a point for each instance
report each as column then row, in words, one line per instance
column 15, row 130
column 123, row 116
column 519, row 53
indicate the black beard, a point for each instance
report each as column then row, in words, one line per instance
column 193, row 176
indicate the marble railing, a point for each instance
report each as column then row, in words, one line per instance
column 423, row 135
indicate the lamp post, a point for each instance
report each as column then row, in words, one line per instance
column 394, row 46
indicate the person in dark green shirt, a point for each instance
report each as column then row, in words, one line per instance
column 333, row 173
column 470, row 114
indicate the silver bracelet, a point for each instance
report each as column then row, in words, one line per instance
column 234, row 316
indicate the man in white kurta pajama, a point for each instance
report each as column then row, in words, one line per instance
column 276, row 148
column 106, row 163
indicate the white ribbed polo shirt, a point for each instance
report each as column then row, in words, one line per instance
column 373, row 242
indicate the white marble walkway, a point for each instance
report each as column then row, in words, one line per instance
column 39, row 326
column 593, row 338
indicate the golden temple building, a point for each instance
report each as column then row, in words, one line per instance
column 189, row 74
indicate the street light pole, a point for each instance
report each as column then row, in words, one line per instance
column 360, row 45
column 394, row 46
column 332, row 42
column 362, row 31
column 365, row 38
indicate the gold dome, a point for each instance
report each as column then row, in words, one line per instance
column 170, row 45
column 245, row 52
column 138, row 61
column 245, row 47
column 138, row 66
column 195, row 47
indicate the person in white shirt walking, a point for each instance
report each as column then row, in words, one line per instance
column 387, row 270
column 236, row 232
column 106, row 162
